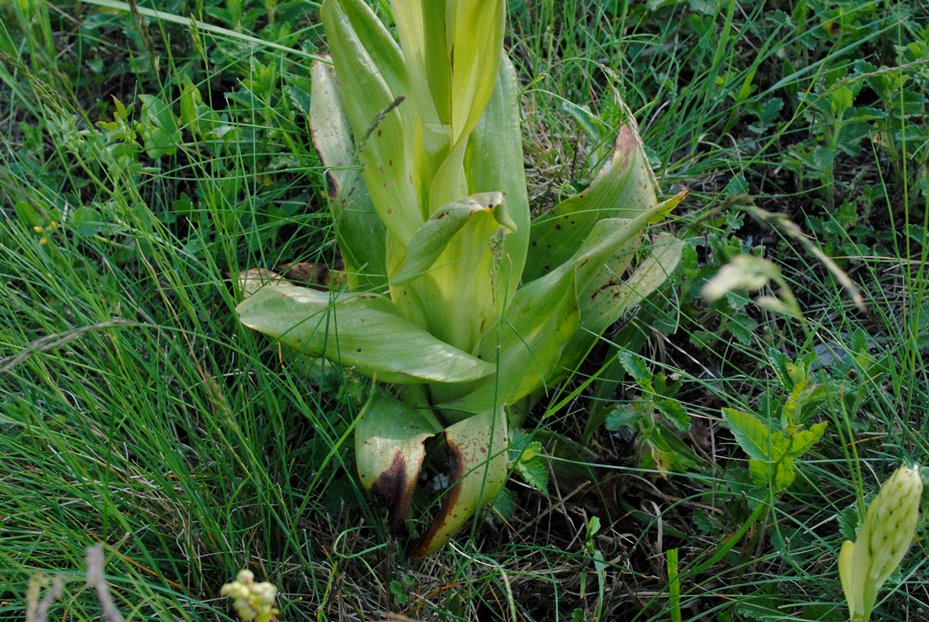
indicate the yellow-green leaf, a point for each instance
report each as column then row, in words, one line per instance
column 357, row 330
column 358, row 228
column 604, row 301
column 624, row 188
column 421, row 27
column 389, row 451
column 494, row 162
column 369, row 67
column 527, row 343
column 754, row 437
column 475, row 37
column 434, row 236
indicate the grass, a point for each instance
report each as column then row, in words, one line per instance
column 137, row 413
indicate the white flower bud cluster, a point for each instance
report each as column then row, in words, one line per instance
column 886, row 534
column 252, row 601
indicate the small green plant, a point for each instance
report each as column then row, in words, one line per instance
column 657, row 419
column 777, row 438
column 883, row 540
column 459, row 301
column 772, row 452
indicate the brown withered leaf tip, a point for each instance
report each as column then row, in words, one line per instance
column 306, row 272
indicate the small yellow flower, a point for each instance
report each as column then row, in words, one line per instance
column 886, row 534
column 252, row 601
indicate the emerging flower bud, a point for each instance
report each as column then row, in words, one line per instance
column 886, row 534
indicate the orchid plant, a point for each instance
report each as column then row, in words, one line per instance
column 462, row 308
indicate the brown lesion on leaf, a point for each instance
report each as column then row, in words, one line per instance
column 420, row 546
column 332, row 186
column 396, row 489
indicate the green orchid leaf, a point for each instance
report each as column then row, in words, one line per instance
column 475, row 32
column 459, row 295
column 477, row 451
column 421, row 27
column 606, row 238
column 529, row 349
column 527, row 344
column 663, row 259
column 462, row 291
column 359, row 230
column 616, row 266
column 434, row 236
column 372, row 36
column 389, row 451
column 494, row 162
column 624, row 188
column 448, row 182
column 357, row 330
column 380, row 130
column 604, row 301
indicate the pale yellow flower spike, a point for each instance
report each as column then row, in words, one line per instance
column 886, row 534
column 252, row 601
